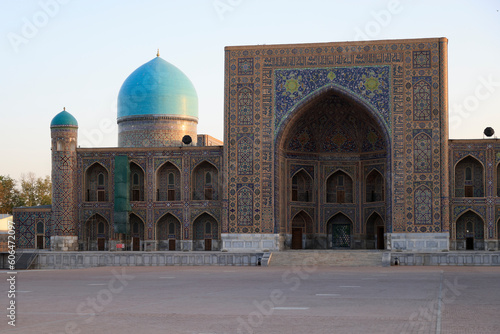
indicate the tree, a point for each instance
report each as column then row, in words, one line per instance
column 35, row 191
column 9, row 195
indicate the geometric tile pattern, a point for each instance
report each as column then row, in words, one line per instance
column 423, row 206
column 245, row 104
column 245, row 66
column 422, row 98
column 245, row 155
column 421, row 59
column 245, row 206
column 423, row 153
column 371, row 84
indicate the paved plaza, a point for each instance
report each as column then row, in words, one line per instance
column 227, row 300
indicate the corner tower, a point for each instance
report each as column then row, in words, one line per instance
column 157, row 106
column 64, row 132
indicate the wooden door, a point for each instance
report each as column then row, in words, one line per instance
column 469, row 191
column 136, row 244
column 101, row 196
column 340, row 196
column 39, row 241
column 296, row 238
column 208, row 244
column 100, row 244
column 171, row 244
column 380, row 237
column 135, row 195
column 171, row 195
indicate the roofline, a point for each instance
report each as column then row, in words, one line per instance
column 272, row 46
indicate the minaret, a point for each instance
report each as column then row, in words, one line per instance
column 64, row 133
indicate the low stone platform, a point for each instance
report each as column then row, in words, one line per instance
column 341, row 258
column 74, row 260
column 337, row 258
column 453, row 258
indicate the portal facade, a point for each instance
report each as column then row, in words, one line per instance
column 347, row 142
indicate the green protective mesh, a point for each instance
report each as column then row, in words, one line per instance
column 122, row 194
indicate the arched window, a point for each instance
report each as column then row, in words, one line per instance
column 171, row 228
column 208, row 228
column 96, row 183
column 468, row 174
column 374, row 187
column 339, row 188
column 469, row 178
column 135, row 228
column 302, row 184
column 100, row 180
column 39, row 228
column 168, row 183
column 100, row 228
column 136, row 183
column 204, row 182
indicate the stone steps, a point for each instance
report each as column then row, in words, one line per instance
column 354, row 258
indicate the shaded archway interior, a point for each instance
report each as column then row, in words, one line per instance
column 333, row 158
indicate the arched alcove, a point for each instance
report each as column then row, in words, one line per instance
column 469, row 178
column 136, row 183
column 168, row 183
column 336, row 137
column 206, row 235
column 96, row 183
column 96, row 233
column 470, row 231
column 340, row 230
column 168, row 232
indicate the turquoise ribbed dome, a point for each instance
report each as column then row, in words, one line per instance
column 157, row 88
column 64, row 118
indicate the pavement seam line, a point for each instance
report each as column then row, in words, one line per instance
column 440, row 300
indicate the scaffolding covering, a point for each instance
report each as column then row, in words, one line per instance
column 122, row 194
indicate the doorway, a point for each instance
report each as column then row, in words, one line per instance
column 341, row 236
column 380, row 237
column 208, row 244
column 469, row 243
column 171, row 245
column 136, row 244
column 39, row 241
column 296, row 238
column 100, row 244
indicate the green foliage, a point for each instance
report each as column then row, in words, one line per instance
column 32, row 191
column 35, row 191
column 9, row 195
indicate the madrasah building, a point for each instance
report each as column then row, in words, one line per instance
column 326, row 146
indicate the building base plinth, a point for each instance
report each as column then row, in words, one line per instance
column 418, row 242
column 64, row 243
column 235, row 242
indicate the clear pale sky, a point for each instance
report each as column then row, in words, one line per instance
column 76, row 54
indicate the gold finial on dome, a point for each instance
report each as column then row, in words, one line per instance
column 158, row 53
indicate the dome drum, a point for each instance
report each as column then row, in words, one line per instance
column 155, row 130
